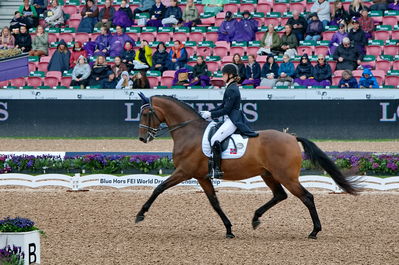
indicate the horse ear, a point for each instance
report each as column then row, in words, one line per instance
column 144, row 99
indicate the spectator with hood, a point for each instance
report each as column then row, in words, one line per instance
column 241, row 67
column 102, row 43
column 81, row 73
column 23, row 40
column 77, row 51
column 178, row 56
column 89, row 17
column 28, row 12
column 337, row 38
column 99, row 72
column 347, row 56
column 128, row 55
column 125, row 82
column 315, row 28
column 270, row 43
column 110, row 82
column 144, row 55
column 253, row 72
column 157, row 13
column 299, row 25
column 160, row 58
column 106, row 15
column 124, row 16
column 39, row 43
column 60, row 59
column 269, row 72
column 200, row 75
column 173, row 15
column 54, row 16
column 358, row 37
column 322, row 72
column 304, row 72
column 118, row 41
column 228, row 28
column 347, row 80
column 368, row 80
column 322, row 9
column 246, row 28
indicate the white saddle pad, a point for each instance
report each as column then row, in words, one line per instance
column 232, row 152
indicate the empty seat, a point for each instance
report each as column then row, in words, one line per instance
column 18, row 82
column 4, row 83
column 56, row 74
column 383, row 65
column 66, row 81
column 34, row 81
column 392, row 80
column 82, row 37
column 154, row 81
column 51, row 81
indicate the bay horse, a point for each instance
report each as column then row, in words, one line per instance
column 274, row 155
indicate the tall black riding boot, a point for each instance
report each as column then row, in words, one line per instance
column 217, row 157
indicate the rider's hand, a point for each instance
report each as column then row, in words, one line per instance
column 205, row 114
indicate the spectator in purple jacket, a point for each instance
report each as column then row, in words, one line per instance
column 228, row 28
column 117, row 42
column 337, row 38
column 246, row 28
column 103, row 42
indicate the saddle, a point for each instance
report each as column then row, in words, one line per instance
column 225, row 143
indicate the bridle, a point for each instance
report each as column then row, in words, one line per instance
column 156, row 132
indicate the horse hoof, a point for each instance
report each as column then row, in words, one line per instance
column 139, row 218
column 312, row 237
column 255, row 224
column 230, row 235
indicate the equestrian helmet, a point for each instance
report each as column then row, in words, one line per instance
column 230, row 69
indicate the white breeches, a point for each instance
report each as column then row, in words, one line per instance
column 227, row 129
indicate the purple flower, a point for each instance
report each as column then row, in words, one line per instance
column 375, row 165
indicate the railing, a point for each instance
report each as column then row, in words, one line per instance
column 78, row 182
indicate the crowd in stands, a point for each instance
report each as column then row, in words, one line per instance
column 131, row 60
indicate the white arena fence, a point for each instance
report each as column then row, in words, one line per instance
column 78, row 182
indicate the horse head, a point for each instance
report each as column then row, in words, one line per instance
column 149, row 120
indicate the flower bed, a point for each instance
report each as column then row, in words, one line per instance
column 11, row 256
column 357, row 162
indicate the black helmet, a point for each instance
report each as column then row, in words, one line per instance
column 230, row 69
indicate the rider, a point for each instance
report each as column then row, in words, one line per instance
column 234, row 118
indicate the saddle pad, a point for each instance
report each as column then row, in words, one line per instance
column 231, row 152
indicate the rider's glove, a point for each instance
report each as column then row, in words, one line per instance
column 205, row 114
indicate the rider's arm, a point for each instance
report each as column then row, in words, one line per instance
column 227, row 106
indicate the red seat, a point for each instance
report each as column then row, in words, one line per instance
column 335, row 80
column 220, row 51
column 82, row 37
column 391, row 50
column 383, row 65
column 382, row 35
column 34, row 81
column 320, row 50
column 204, row 51
column 272, row 20
column 42, row 66
column 18, row 82
column 280, row 7
column 395, row 65
column 148, row 36
column 211, row 36
column 392, row 80
column 213, row 66
column 333, row 65
column 263, row 87
column 154, row 81
column 196, row 36
column 67, row 37
column 32, row 67
column 66, row 81
column 45, row 59
column 305, row 49
column 180, row 36
column 76, row 16
column 167, row 81
column 191, row 50
column 395, row 34
column 259, row 35
column 168, row 73
column 200, row 8
column 51, row 51
column 230, row 7
column 56, row 74
column 239, row 50
column 69, row 9
column 227, row 59
column 218, row 22
column 52, row 37
column 51, row 81
column 73, row 23
column 260, row 58
column 208, row 21
column 252, row 50
column 247, row 7
column 217, row 82
column 4, row 83
column 390, row 20
column 327, row 35
column 357, row 73
column 299, row 6
column 375, row 50
column 263, row 8
column 164, row 36
column 379, row 75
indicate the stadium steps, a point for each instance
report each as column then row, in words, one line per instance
column 7, row 9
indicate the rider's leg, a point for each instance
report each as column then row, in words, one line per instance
column 222, row 133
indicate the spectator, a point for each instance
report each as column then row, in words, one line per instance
column 181, row 78
column 322, row 9
column 144, row 7
column 191, row 16
column 347, row 80
column 394, row 5
column 7, row 40
column 178, row 56
column 160, row 58
column 246, row 28
column 304, row 72
column 106, row 15
column 17, row 21
column 40, row 5
column 347, row 56
column 118, row 41
column 270, row 43
column 357, row 36
column 366, row 23
column 31, row 18
column 39, row 43
column 140, row 80
column 89, row 17
column 269, row 72
column 200, row 75
column 60, row 59
column 285, row 72
column 157, row 13
column 289, row 42
column 128, row 55
column 340, row 15
column 337, row 38
column 173, row 15
column 253, row 71
column 77, row 51
column 299, row 25
column 118, row 67
column 102, row 44
column 23, row 40
column 124, row 16
column 355, row 8
column 315, row 28
column 54, row 16
column 143, row 58
column 110, row 82
column 368, row 80
column 241, row 67
column 322, row 72
column 379, row 5
column 99, row 72
column 228, row 28
column 81, row 73
column 125, row 82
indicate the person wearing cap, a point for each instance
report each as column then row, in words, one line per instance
column 304, row 72
column 322, row 9
column 299, row 25
column 315, row 28
column 246, row 28
column 234, row 119
column 337, row 38
column 228, row 28
column 357, row 36
column 366, row 23
column 347, row 56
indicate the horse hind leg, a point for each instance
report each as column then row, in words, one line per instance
column 278, row 195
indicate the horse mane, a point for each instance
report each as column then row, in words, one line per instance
column 182, row 104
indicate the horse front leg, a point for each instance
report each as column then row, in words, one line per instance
column 176, row 178
column 207, row 186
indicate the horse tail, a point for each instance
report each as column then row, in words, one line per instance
column 318, row 157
